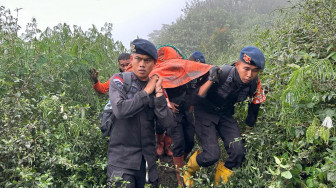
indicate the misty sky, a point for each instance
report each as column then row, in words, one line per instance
column 130, row 18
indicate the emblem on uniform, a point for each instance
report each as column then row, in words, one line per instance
column 259, row 95
column 133, row 48
column 247, row 58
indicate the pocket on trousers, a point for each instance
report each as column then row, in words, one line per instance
column 206, row 122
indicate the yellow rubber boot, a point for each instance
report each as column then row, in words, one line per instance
column 192, row 167
column 222, row 173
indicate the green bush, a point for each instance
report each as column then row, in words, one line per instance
column 50, row 135
column 50, row 132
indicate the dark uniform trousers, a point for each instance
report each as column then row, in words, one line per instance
column 183, row 131
column 182, row 134
column 130, row 178
column 206, row 127
column 159, row 129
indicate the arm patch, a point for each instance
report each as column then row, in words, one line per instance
column 118, row 81
column 259, row 96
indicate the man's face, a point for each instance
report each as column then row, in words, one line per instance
column 142, row 65
column 246, row 72
column 123, row 64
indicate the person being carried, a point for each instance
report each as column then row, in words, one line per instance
column 132, row 140
column 123, row 60
column 183, row 133
column 214, row 107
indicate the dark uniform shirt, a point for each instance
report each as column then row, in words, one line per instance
column 133, row 135
column 221, row 97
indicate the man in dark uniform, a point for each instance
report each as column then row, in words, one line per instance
column 132, row 140
column 214, row 110
column 182, row 133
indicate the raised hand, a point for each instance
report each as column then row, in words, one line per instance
column 94, row 74
column 151, row 85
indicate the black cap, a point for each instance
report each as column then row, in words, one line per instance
column 144, row 47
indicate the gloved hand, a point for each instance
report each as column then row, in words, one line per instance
column 214, row 74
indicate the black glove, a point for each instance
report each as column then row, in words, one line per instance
column 214, row 73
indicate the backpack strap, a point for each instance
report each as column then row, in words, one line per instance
column 225, row 73
column 127, row 77
column 108, row 118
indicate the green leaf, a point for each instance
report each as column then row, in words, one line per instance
column 329, row 47
column 310, row 105
column 331, row 54
column 299, row 131
column 299, row 167
column 277, row 160
column 292, row 65
column 331, row 177
column 310, row 183
column 286, row 174
column 334, row 57
column 329, row 112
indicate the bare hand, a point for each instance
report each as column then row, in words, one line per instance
column 174, row 107
column 158, row 85
column 94, row 74
column 151, row 84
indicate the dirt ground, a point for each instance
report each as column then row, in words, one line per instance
column 167, row 177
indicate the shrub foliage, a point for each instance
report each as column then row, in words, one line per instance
column 49, row 113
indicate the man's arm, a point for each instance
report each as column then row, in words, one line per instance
column 162, row 112
column 101, row 87
column 205, row 88
column 213, row 78
column 252, row 115
column 258, row 98
column 98, row 86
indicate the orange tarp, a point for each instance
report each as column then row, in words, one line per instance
column 175, row 70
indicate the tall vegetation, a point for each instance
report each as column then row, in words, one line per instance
column 217, row 28
column 49, row 112
column 289, row 147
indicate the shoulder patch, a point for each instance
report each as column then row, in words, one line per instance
column 118, row 81
column 259, row 96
